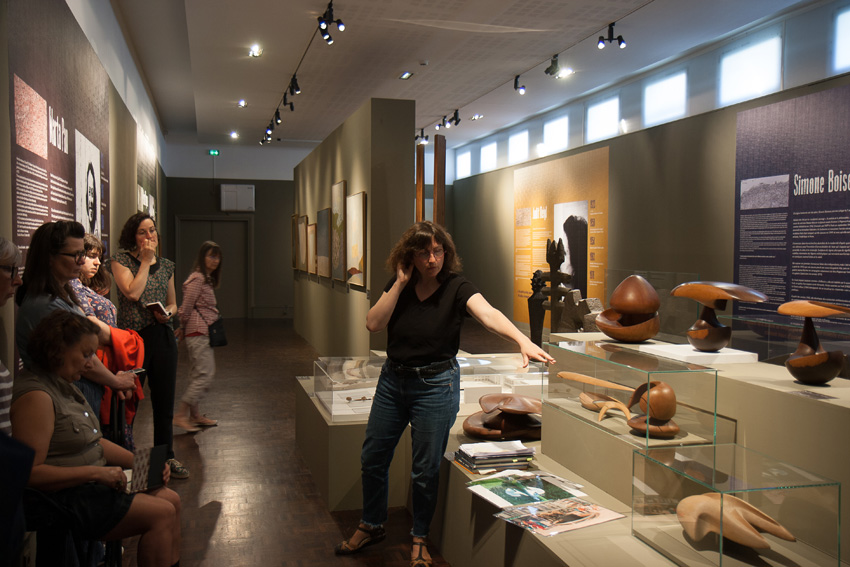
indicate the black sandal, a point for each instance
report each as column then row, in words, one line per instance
column 420, row 561
column 373, row 535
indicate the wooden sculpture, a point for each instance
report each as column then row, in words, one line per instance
column 656, row 399
column 633, row 315
column 810, row 363
column 707, row 334
column 741, row 521
column 505, row 416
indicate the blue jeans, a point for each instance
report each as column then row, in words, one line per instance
column 429, row 402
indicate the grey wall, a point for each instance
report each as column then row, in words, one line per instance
column 272, row 272
column 671, row 202
column 373, row 152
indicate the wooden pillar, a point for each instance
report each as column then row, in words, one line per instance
column 420, row 182
column 440, row 179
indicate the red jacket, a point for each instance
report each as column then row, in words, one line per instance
column 126, row 353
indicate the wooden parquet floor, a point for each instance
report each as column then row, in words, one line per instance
column 250, row 499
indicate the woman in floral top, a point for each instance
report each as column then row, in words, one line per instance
column 143, row 278
column 197, row 312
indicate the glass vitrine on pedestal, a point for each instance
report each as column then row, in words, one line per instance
column 345, row 386
column 695, row 505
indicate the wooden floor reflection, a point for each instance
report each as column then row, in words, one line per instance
column 250, row 499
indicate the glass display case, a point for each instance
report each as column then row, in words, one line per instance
column 345, row 386
column 498, row 373
column 695, row 505
column 673, row 403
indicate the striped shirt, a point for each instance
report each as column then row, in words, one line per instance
column 5, row 399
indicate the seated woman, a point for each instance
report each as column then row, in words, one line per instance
column 78, row 469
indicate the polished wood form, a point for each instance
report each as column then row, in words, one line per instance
column 707, row 334
column 633, row 314
column 811, row 363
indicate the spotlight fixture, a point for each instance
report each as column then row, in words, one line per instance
column 234, row 134
column 255, row 51
column 476, row 116
column 242, row 103
column 517, row 87
column 554, row 69
column 325, row 21
column 294, row 89
column 441, row 124
column 455, row 119
column 406, row 75
column 277, row 119
column 421, row 138
column 611, row 39
column 269, row 129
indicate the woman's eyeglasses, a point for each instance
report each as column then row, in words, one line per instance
column 77, row 256
column 426, row 254
column 11, row 270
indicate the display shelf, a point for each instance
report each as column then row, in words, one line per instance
column 805, row 504
column 694, row 387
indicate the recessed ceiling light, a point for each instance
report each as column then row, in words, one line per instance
column 234, row 134
column 406, row 75
column 242, row 103
column 255, row 51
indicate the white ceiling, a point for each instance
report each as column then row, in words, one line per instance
column 193, row 56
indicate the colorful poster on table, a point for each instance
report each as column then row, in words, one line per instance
column 59, row 110
column 792, row 205
column 565, row 198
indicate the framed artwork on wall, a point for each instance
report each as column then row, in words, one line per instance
column 338, row 191
column 355, row 218
column 294, row 243
column 311, row 248
column 302, row 243
column 323, row 243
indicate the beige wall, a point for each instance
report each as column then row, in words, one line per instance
column 373, row 152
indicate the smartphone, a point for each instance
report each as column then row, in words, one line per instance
column 137, row 371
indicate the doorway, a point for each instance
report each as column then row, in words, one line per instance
column 234, row 235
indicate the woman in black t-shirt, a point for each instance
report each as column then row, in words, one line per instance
column 422, row 308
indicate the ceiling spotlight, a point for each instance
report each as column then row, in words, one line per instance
column 421, row 138
column 517, row 87
column 242, row 103
column 554, row 67
column 406, row 75
column 277, row 119
column 476, row 116
column 326, row 19
column 441, row 124
column 611, row 39
column 262, row 141
column 255, row 51
column 455, row 118
column 269, row 129
column 234, row 134
column 294, row 89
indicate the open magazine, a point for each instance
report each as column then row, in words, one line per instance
column 540, row 502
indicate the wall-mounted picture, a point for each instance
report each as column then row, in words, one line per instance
column 323, row 243
column 338, row 231
column 302, row 243
column 355, row 219
column 88, row 184
column 311, row 248
column 294, row 237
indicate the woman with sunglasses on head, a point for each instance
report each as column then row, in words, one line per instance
column 55, row 257
column 423, row 307
column 143, row 278
column 78, row 475
column 197, row 312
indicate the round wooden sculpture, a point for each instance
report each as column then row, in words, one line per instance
column 633, row 315
column 810, row 363
column 707, row 334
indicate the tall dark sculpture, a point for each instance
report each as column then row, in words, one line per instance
column 536, row 311
column 633, row 315
column 558, row 280
column 707, row 334
column 810, row 363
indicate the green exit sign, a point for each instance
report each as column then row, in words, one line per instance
column 213, row 152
